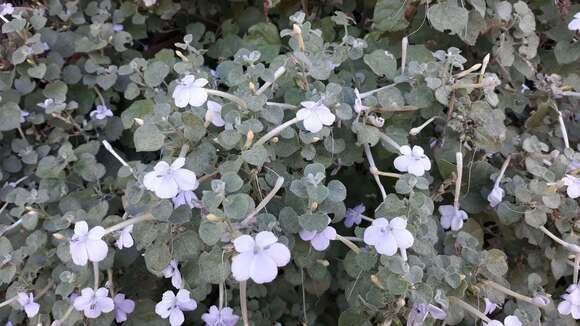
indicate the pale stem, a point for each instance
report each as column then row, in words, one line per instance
column 227, row 96
column 3, row 207
column 353, row 239
column 250, row 218
column 576, row 267
column 570, row 246
column 221, row 297
column 504, row 167
column 348, row 243
column 389, row 140
column 563, row 130
column 244, row 303
column 37, row 296
column 184, row 150
column 459, row 159
column 100, row 96
column 110, row 283
column 277, row 74
column 469, row 308
column 405, row 108
column 369, row 93
column 7, row 302
column 366, row 218
column 483, row 67
column 404, row 254
column 372, row 168
column 509, row 292
column 110, row 149
column 404, row 46
column 471, row 85
column 96, row 275
column 573, row 94
column 415, row 131
column 298, row 32
column 131, row 221
column 468, row 71
column 59, row 322
column 385, row 174
column 276, row 131
column 282, row 105
column 11, row 226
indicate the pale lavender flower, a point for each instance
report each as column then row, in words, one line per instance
column 259, row 259
column 26, row 300
column 6, row 9
column 173, row 306
column 172, row 271
column 118, row 27
column 123, row 307
column 490, row 307
column 101, row 112
column 413, row 161
column 508, row 321
column 87, row 245
column 315, row 115
column 574, row 25
column 9, row 323
column 125, row 239
column 574, row 165
column 571, row 303
column 419, row 313
column 46, row 103
column 149, row 3
column 217, row 317
column 388, row 237
column 541, row 300
column 354, row 215
column 167, row 180
column 94, row 303
column 452, row 218
column 319, row 240
column 573, row 185
column 23, row 115
column 495, row 196
column 189, row 90
column 214, row 114
column 188, row 198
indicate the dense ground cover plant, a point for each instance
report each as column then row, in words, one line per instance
column 290, row 162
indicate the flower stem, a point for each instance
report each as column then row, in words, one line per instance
column 277, row 74
column 354, row 239
column 244, row 303
column 221, row 295
column 96, row 275
column 389, row 140
column 7, row 302
column 570, row 246
column 184, row 150
column 386, row 174
column 276, row 131
column 504, row 167
column 373, row 167
column 509, row 292
column 228, row 96
column 483, row 67
column 100, row 96
column 282, row 105
column 110, row 149
column 369, row 93
column 60, row 321
column 131, row 221
column 110, row 283
column 250, row 218
column 459, row 159
column 469, row 308
column 348, row 243
column 563, row 130
column 404, row 46
column 576, row 267
column 415, row 131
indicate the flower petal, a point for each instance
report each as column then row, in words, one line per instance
column 185, row 179
column 387, row 246
column 279, row 253
column 176, row 317
column 244, row 243
column 263, row 269
column 241, row 266
column 96, row 250
column 265, row 238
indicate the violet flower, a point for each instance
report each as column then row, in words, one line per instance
column 358, row 102
column 87, row 245
column 123, row 307
column 353, row 215
column 101, row 112
column 419, row 313
column 167, row 180
column 188, row 198
column 413, row 161
column 6, row 9
column 172, row 271
column 125, row 239
column 495, row 196
column 214, row 114
column 26, row 301
column 388, row 237
column 189, row 90
column 571, row 303
column 217, row 317
column 573, row 184
column 23, row 116
column 315, row 115
column 490, row 307
column 452, row 218
column 574, row 25
column 173, row 306
column 508, row 321
column 259, row 259
column 94, row 303
column 319, row 240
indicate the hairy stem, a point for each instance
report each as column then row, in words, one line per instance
column 348, row 243
column 509, row 292
column 415, row 131
column 504, row 167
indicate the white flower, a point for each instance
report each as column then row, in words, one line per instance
column 575, row 23
column 571, row 303
column 319, row 240
column 387, row 236
column 508, row 321
column 573, row 184
column 26, row 300
column 315, row 115
column 214, row 114
column 358, row 105
column 94, row 303
column 101, row 113
column 490, row 307
column 412, row 161
column 125, row 239
column 6, row 9
column 166, row 181
column 173, row 306
column 87, row 245
column 259, row 259
column 188, row 198
column 190, row 91
column 149, row 3
column 452, row 218
column 495, row 196
column 172, row 271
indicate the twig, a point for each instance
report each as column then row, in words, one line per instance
column 244, row 303
column 250, row 218
column 373, row 167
